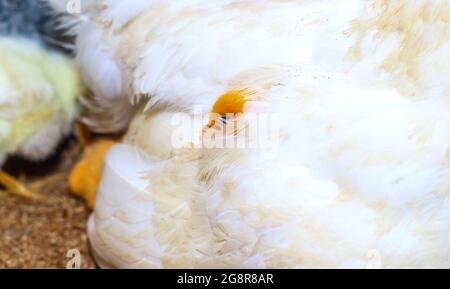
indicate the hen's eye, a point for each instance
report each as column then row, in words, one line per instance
column 223, row 119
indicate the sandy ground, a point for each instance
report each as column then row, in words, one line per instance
column 38, row 234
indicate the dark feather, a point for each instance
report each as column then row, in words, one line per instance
column 33, row 19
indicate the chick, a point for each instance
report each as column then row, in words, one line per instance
column 359, row 174
column 85, row 176
column 38, row 88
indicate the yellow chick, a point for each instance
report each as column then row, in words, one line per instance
column 38, row 91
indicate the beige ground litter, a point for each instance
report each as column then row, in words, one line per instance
column 39, row 234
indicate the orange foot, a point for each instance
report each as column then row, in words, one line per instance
column 85, row 176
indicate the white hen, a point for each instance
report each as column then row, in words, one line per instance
column 361, row 176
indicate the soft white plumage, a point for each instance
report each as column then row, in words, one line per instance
column 361, row 176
